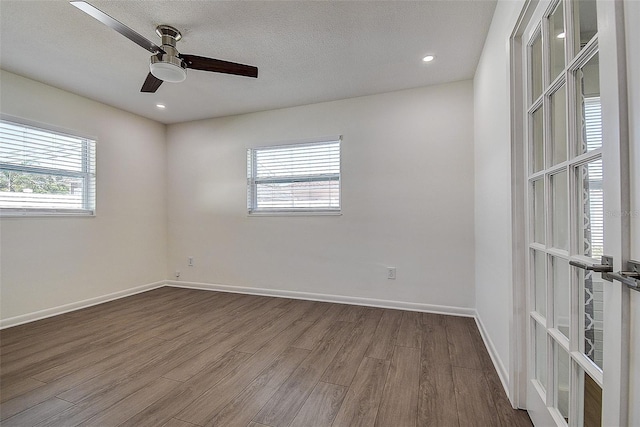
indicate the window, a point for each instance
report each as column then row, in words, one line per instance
column 44, row 172
column 303, row 177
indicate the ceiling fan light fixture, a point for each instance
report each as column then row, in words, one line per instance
column 168, row 68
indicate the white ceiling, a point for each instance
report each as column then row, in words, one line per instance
column 306, row 51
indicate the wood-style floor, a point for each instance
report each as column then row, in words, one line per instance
column 180, row 357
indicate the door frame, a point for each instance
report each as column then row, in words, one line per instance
column 520, row 318
column 612, row 51
column 615, row 126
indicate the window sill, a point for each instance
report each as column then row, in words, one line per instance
column 291, row 213
column 35, row 213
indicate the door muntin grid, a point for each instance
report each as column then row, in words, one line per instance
column 564, row 169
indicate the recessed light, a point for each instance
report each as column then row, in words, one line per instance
column 428, row 58
column 560, row 36
column 161, row 106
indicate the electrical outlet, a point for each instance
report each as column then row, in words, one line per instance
column 190, row 261
column 391, row 273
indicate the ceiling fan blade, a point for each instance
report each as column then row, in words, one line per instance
column 218, row 66
column 117, row 25
column 151, row 84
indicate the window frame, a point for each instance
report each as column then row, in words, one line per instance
column 88, row 173
column 252, row 181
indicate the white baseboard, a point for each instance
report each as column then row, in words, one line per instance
column 495, row 358
column 49, row 312
column 341, row 299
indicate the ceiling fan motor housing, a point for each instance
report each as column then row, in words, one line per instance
column 168, row 66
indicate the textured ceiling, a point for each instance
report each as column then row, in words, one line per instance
column 306, row 51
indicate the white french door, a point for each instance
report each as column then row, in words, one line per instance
column 576, row 361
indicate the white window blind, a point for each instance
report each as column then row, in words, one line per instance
column 593, row 122
column 44, row 172
column 302, row 177
column 593, row 139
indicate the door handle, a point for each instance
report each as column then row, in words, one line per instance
column 630, row 278
column 605, row 267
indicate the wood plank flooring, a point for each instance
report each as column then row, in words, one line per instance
column 182, row 358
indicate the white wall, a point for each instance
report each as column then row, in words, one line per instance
column 632, row 18
column 50, row 262
column 492, row 180
column 407, row 182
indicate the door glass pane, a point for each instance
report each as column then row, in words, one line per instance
column 537, row 141
column 592, row 311
column 541, row 354
column 538, row 211
column 559, row 126
column 590, row 209
column 589, row 106
column 561, row 292
column 586, row 24
column 562, row 377
column 559, row 211
column 536, row 68
column 556, row 41
column 591, row 402
column 540, row 282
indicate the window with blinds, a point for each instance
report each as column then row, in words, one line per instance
column 303, row 177
column 593, row 140
column 592, row 122
column 45, row 173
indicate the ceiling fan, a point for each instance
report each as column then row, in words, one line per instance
column 167, row 64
